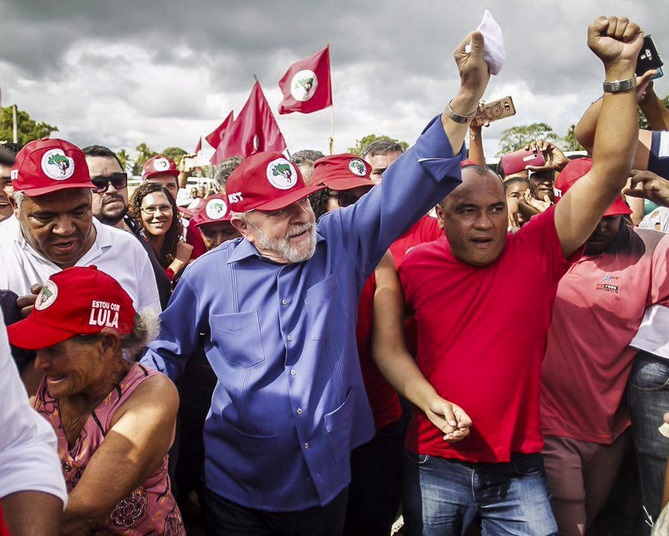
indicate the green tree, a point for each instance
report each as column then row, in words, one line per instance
column 125, row 159
column 27, row 128
column 515, row 138
column 174, row 153
column 570, row 141
column 144, row 154
column 366, row 140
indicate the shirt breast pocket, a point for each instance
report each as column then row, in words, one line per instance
column 325, row 306
column 237, row 336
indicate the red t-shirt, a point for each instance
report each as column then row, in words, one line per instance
column 481, row 339
column 424, row 230
column 599, row 307
column 383, row 399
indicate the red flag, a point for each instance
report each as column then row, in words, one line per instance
column 198, row 147
column 306, row 85
column 214, row 139
column 254, row 130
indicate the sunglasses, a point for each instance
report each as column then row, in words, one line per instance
column 344, row 198
column 117, row 180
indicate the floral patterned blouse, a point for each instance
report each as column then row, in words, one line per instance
column 151, row 508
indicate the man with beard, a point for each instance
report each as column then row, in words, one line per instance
column 110, row 205
column 278, row 311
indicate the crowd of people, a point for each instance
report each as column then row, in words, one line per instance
column 327, row 342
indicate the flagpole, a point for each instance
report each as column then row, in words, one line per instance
column 332, row 129
column 14, row 129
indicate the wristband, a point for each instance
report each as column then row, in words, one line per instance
column 618, row 86
column 458, row 118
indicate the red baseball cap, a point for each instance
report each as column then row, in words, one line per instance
column 213, row 210
column 266, row 181
column 75, row 301
column 48, row 165
column 159, row 165
column 342, row 172
column 576, row 169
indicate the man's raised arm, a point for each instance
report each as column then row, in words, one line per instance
column 617, row 43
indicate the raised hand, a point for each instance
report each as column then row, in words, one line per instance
column 615, row 40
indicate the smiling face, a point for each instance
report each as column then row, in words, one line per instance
column 474, row 217
column 156, row 214
column 59, row 225
column 70, row 367
column 285, row 236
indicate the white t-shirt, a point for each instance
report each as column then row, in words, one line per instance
column 114, row 251
column 28, row 449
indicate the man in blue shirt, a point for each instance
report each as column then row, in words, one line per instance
column 277, row 310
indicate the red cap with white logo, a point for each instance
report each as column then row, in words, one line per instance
column 214, row 209
column 159, row 165
column 266, row 181
column 48, row 165
column 342, row 172
column 75, row 301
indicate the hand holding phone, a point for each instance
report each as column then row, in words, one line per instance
column 649, row 58
column 494, row 110
column 520, row 160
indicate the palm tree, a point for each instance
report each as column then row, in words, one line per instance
column 125, row 159
column 144, row 154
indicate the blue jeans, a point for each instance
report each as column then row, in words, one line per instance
column 443, row 497
column 648, row 398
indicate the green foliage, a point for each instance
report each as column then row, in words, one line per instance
column 27, row 128
column 125, row 159
column 570, row 141
column 515, row 138
column 366, row 140
column 144, row 154
column 174, row 153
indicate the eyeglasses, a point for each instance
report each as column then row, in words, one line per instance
column 117, row 180
column 158, row 208
column 344, row 199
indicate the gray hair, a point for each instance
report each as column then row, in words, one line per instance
column 224, row 170
column 18, row 196
column 381, row 147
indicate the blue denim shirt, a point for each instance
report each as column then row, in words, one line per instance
column 290, row 403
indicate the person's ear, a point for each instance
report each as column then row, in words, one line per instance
column 243, row 227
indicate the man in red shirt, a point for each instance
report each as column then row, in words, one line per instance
column 481, row 453
column 598, row 310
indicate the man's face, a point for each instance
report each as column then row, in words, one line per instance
column 214, row 234
column 474, row 217
column 6, row 192
column 109, row 207
column 167, row 181
column 59, row 225
column 345, row 198
column 381, row 162
column 285, row 236
column 601, row 238
column 543, row 185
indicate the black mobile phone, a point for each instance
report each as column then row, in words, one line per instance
column 648, row 58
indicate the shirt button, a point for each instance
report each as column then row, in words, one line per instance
column 292, row 372
column 284, row 301
column 289, row 338
column 306, row 445
column 67, row 466
column 299, row 411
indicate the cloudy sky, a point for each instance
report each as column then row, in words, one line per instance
column 163, row 72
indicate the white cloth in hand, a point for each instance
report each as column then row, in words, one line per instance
column 494, row 52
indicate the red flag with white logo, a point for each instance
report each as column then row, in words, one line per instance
column 306, row 86
column 255, row 130
column 214, row 138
